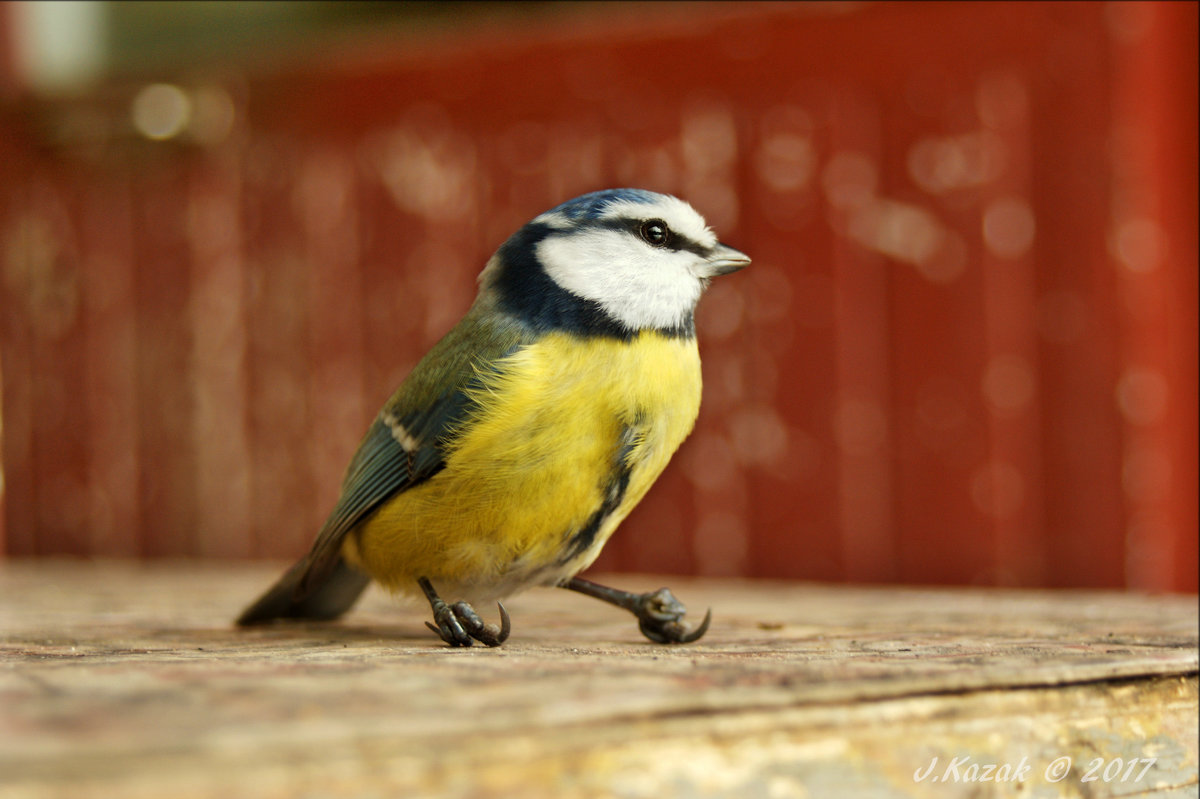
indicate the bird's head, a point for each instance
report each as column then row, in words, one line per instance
column 611, row 262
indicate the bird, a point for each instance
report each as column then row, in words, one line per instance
column 523, row 438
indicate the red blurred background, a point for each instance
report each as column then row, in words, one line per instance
column 966, row 352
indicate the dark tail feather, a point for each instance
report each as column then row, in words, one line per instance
column 328, row 599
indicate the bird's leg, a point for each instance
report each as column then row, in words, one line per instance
column 457, row 624
column 659, row 613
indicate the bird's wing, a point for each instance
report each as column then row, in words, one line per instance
column 408, row 441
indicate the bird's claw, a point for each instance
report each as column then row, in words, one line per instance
column 460, row 625
column 660, row 618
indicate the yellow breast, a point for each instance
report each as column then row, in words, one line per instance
column 535, row 465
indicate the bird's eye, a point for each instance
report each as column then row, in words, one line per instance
column 655, row 233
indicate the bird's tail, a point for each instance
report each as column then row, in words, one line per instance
column 327, row 599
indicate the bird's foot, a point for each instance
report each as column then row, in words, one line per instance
column 659, row 613
column 460, row 625
column 660, row 618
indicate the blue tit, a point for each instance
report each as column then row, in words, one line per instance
column 523, row 438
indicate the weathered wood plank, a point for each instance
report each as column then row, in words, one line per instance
column 122, row 679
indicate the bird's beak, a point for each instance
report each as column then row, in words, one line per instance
column 723, row 260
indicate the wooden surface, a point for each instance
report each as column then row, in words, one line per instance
column 127, row 680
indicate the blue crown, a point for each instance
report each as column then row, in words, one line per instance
column 590, row 206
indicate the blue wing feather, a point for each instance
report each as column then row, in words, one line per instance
column 380, row 468
column 383, row 466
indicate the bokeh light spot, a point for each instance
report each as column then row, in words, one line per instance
column 161, row 111
column 1009, row 227
column 1138, row 245
column 1142, row 395
column 1009, row 383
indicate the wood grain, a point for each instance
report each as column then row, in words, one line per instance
column 120, row 679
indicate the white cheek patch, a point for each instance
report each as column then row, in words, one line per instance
column 639, row 287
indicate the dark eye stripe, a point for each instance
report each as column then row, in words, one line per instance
column 678, row 241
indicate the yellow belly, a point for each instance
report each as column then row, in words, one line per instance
column 534, row 465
